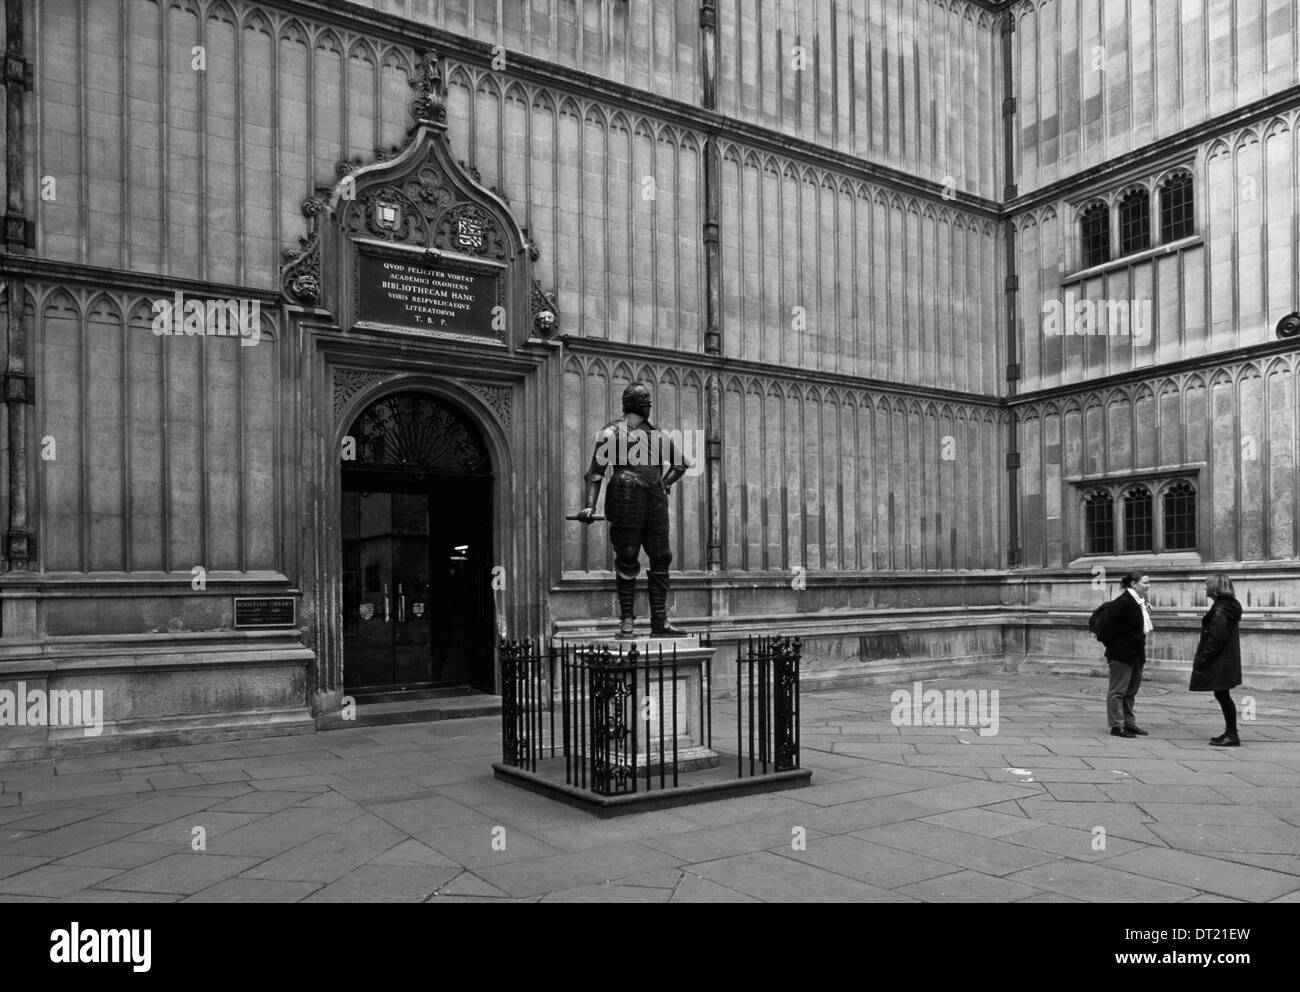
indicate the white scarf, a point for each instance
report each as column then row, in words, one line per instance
column 1147, row 626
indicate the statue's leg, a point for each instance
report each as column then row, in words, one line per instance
column 659, row 550
column 625, row 539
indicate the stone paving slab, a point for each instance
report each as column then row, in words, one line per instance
column 322, row 859
column 694, row 889
column 1220, row 877
column 893, row 814
column 562, row 871
column 992, row 857
column 54, row 880
column 245, row 890
column 181, row 874
column 385, row 883
column 875, row 864
column 776, row 878
column 969, row 886
column 121, row 854
column 1097, row 883
column 14, row 864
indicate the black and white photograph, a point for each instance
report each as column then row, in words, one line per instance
column 651, row 451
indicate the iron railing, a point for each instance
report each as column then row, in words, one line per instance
column 768, row 675
column 620, row 720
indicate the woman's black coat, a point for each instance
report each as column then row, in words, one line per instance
column 1122, row 631
column 1217, row 664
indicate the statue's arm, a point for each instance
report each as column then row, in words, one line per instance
column 595, row 476
column 678, row 463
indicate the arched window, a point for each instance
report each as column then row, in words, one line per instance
column 1099, row 516
column 1096, row 235
column 1137, row 519
column 1180, row 517
column 1176, row 219
column 1134, row 222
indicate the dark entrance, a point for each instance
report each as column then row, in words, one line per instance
column 417, row 550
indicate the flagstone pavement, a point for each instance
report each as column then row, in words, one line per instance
column 1050, row 809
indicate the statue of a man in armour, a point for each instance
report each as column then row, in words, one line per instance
column 636, row 504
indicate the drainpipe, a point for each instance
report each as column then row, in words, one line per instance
column 1009, row 192
column 709, row 44
column 19, row 547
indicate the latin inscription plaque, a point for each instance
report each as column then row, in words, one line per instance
column 412, row 292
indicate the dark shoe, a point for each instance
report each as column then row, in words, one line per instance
column 665, row 629
column 1121, row 732
column 1227, row 740
column 1138, row 731
column 1220, row 739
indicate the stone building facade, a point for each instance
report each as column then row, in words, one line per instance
column 830, row 233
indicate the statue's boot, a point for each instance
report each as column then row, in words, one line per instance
column 626, row 600
column 659, row 626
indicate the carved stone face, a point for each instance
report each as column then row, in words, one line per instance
column 545, row 321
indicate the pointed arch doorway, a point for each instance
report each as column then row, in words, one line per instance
column 416, row 526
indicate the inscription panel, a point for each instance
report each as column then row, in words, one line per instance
column 428, row 293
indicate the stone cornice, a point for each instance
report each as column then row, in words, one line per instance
column 719, row 365
column 1148, row 373
column 60, row 273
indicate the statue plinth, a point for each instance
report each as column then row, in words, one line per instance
column 654, row 697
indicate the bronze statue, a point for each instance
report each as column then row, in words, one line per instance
column 636, row 505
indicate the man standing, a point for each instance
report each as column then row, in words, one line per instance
column 1124, row 631
column 636, row 505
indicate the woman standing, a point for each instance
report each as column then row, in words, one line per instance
column 1217, row 665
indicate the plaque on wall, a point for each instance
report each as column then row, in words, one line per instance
column 264, row 611
column 417, row 291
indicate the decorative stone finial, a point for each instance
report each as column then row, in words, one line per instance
column 430, row 107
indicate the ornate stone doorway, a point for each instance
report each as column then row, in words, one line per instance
column 416, row 527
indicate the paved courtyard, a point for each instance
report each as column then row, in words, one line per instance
column 1050, row 809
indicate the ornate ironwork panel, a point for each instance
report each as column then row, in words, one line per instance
column 786, row 653
column 414, row 431
column 611, row 746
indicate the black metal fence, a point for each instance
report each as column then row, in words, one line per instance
column 622, row 720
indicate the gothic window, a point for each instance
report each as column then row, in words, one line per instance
column 1096, row 235
column 1120, row 517
column 1134, row 222
column 1180, row 517
column 1137, row 520
column 1100, row 519
column 1176, row 219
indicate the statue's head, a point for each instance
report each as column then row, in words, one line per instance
column 636, row 399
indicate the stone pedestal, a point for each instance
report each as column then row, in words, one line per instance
column 680, row 701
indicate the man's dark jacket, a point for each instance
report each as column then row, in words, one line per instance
column 1121, row 630
column 1217, row 664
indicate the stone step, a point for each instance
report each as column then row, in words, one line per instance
column 458, row 706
